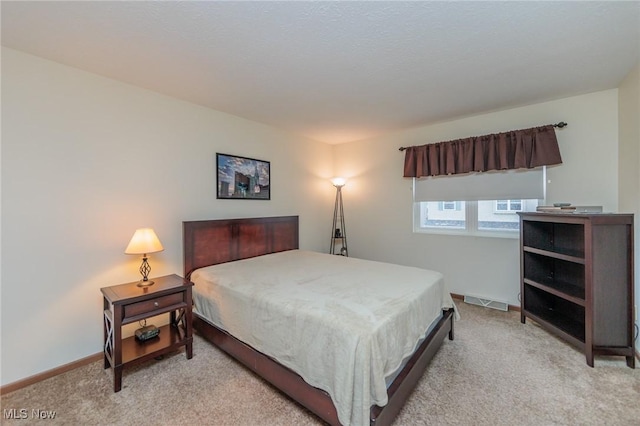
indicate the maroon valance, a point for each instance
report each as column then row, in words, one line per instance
column 516, row 149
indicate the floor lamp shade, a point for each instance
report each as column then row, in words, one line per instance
column 338, row 182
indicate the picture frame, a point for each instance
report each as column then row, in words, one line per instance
column 242, row 178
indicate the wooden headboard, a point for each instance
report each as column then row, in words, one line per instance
column 210, row 242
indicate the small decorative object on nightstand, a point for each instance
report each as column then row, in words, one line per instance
column 130, row 303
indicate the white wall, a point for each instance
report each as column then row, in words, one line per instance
column 85, row 161
column 378, row 200
column 629, row 172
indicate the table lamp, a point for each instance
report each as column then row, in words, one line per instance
column 144, row 241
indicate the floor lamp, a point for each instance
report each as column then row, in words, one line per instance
column 339, row 235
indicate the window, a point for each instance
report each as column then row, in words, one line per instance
column 473, row 217
column 500, row 215
column 484, row 204
column 508, row 206
column 449, row 205
column 436, row 215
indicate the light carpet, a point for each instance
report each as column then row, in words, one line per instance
column 497, row 371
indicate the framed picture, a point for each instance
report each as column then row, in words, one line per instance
column 241, row 178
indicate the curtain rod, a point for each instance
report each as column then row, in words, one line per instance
column 559, row 125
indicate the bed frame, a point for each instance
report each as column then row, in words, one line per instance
column 210, row 242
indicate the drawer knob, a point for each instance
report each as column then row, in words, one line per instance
column 156, row 304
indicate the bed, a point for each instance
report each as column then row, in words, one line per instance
column 255, row 246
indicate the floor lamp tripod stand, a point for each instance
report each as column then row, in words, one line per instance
column 339, row 235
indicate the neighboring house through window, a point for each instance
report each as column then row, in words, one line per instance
column 508, row 206
column 449, row 205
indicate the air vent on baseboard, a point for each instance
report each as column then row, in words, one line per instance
column 487, row 303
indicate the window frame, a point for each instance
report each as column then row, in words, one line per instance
column 471, row 223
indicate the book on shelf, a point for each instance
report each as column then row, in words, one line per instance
column 556, row 208
column 569, row 209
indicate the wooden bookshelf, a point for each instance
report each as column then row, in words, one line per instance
column 577, row 279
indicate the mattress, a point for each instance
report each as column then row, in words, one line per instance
column 345, row 325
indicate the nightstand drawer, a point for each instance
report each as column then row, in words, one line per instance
column 153, row 304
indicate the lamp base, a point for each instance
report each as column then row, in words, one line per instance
column 143, row 283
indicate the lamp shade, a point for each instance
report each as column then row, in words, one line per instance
column 338, row 182
column 144, row 241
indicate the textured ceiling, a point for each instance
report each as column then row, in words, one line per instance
column 340, row 71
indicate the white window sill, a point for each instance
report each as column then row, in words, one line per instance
column 512, row 234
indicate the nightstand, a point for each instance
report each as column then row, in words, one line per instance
column 128, row 303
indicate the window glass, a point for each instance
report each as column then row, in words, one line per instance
column 498, row 217
column 442, row 214
column 448, row 205
column 515, row 205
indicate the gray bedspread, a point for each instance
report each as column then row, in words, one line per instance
column 343, row 324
